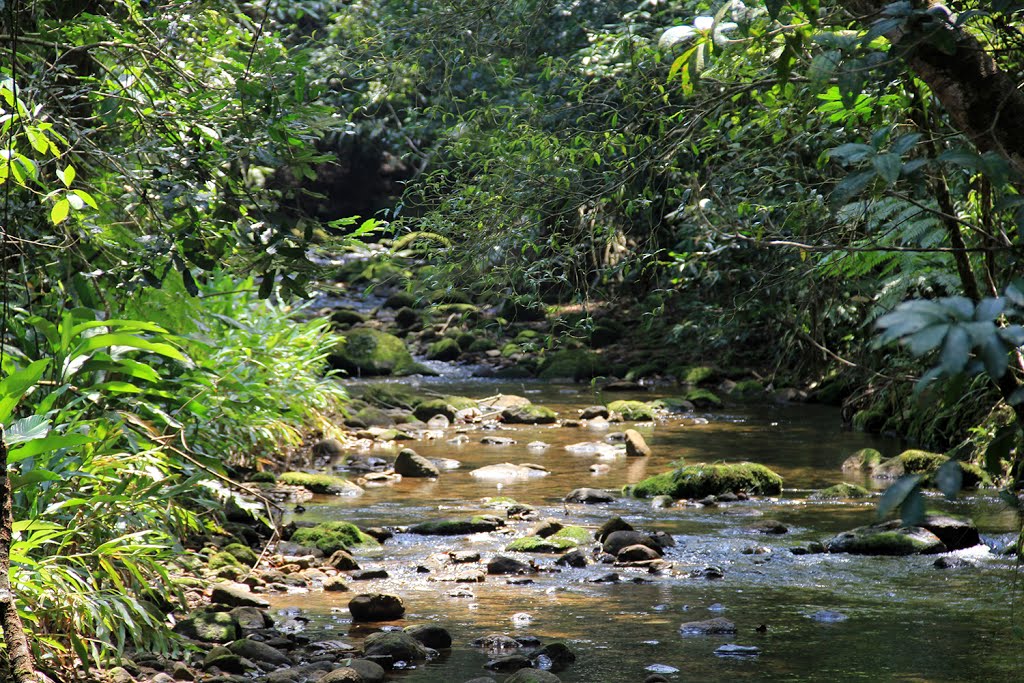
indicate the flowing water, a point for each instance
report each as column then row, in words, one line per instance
column 905, row 620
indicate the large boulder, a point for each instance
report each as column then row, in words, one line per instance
column 616, row 541
column 565, row 539
column 449, row 406
column 236, row 595
column 366, row 352
column 507, row 471
column 431, row 635
column 954, row 532
column 862, row 462
column 325, row 484
column 409, row 463
column 572, row 364
column 700, row 481
column 259, row 652
column 927, row 464
column 209, row 627
column 632, row 410
column 887, row 538
column 376, row 607
column 588, row 496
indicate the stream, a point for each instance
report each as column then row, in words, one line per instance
column 905, row 619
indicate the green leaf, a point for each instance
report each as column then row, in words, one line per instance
column 851, row 152
column 995, row 356
column 888, row 166
column 267, row 284
column 52, row 442
column 35, row 476
column 190, row 282
column 850, row 186
column 27, row 429
column 989, row 308
column 949, row 478
column 132, row 341
column 851, row 78
column 897, row 493
column 912, row 510
column 14, row 386
column 59, row 212
column 85, row 197
column 955, row 350
column 927, row 339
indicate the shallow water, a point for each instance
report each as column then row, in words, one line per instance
column 906, row 620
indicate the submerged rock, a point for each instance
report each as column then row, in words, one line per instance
column 532, row 676
column 396, row 645
column 699, row 481
column 508, row 472
column 708, row 627
column 734, row 650
column 862, row 462
column 841, row 491
column 588, row 496
column 431, row 635
column 458, row 527
column 888, row 538
column 501, row 565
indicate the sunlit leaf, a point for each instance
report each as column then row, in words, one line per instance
column 897, row 493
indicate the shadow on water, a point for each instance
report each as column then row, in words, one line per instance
column 905, row 620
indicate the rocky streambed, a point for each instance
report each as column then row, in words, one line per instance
column 549, row 538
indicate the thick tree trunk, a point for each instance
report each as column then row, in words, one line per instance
column 19, row 657
column 982, row 100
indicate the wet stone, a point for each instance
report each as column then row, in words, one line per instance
column 709, row 627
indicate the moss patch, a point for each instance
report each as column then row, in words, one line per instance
column 223, row 559
column 703, row 398
column 840, row 491
column 391, row 396
column 863, row 461
column 326, row 484
column 369, row 352
column 242, row 553
column 577, row 534
column 702, row 374
column 698, row 481
column 536, row 544
column 926, row 463
column 331, row 537
column 444, row 350
column 572, row 363
column 529, row 414
column 446, row 405
column 637, row 411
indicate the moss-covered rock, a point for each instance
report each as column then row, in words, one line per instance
column 701, row 374
column 242, row 553
column 632, row 410
column 889, row 538
column 391, row 395
column 326, row 484
column 209, row 627
column 574, row 533
column 402, row 299
column 518, row 371
column 445, row 349
column 536, row 544
column 862, row 462
column 330, row 537
column 703, row 398
column 927, row 464
column 871, row 420
column 529, row 415
column 220, row 560
column 368, row 352
column 841, row 491
column 446, row 405
column 747, row 387
column 264, row 477
column 346, row 317
column 672, row 404
column 480, row 345
column 699, row 481
column 458, row 527
column 570, row 363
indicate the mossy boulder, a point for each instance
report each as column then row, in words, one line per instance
column 331, row 537
column 637, row 411
column 570, row 363
column 672, row 404
column 219, row 560
column 346, row 317
column 326, row 484
column 458, row 527
column 367, row 352
column 888, row 538
column 445, row 349
column 209, row 627
column 445, row 405
column 535, row 544
column 927, row 464
column 394, row 645
column 402, row 299
column 747, row 387
column 841, row 491
column 480, row 345
column 701, row 374
column 703, row 399
column 263, row 477
column 862, row 462
column 699, row 481
column 242, row 553
column 529, row 415
column 391, row 395
column 871, row 420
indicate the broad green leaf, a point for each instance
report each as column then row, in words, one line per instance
column 927, row 339
column 50, row 443
column 1012, row 335
column 31, row 477
column 27, row 429
column 989, row 308
column 912, row 510
column 905, row 143
column 888, row 166
column 851, row 152
column 949, row 478
column 59, row 212
column 131, row 341
column 897, row 493
column 955, row 350
column 14, row 386
column 962, row 158
column 961, row 306
column 85, row 197
column 995, row 356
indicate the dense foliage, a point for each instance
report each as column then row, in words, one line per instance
column 759, row 184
